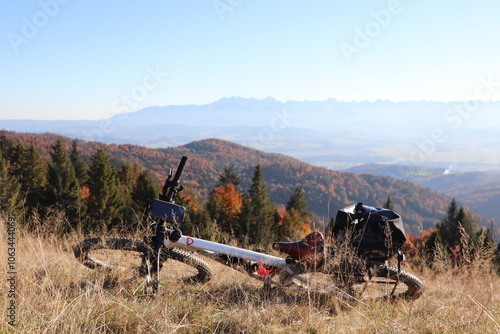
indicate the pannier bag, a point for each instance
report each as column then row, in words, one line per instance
column 366, row 225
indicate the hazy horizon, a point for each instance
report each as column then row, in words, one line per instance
column 94, row 60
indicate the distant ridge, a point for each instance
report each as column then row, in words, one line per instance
column 330, row 133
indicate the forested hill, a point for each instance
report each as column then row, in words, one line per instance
column 479, row 190
column 326, row 190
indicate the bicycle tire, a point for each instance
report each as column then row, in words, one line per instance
column 201, row 270
column 415, row 286
column 204, row 270
column 389, row 283
column 82, row 250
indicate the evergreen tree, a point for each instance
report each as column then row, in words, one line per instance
column 63, row 190
column 296, row 221
column 258, row 219
column 6, row 146
column 31, row 172
column 127, row 177
column 298, row 203
column 388, row 204
column 245, row 221
column 434, row 248
column 229, row 176
column 106, row 200
column 81, row 168
column 448, row 227
column 9, row 188
column 144, row 190
column 469, row 224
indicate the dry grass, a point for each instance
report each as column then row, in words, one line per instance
column 56, row 294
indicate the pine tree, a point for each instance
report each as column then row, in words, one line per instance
column 63, row 190
column 433, row 247
column 448, row 227
column 229, row 176
column 388, row 204
column 31, row 172
column 105, row 201
column 258, row 219
column 145, row 189
column 296, row 221
column 298, row 203
column 6, row 146
column 81, row 168
column 469, row 224
column 9, row 189
column 127, row 178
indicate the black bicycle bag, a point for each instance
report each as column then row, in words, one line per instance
column 370, row 228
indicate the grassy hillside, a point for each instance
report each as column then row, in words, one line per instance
column 326, row 190
column 56, row 294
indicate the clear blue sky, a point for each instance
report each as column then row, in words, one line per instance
column 94, row 59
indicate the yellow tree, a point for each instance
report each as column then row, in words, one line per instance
column 224, row 206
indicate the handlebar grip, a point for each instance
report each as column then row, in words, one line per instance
column 171, row 186
column 179, row 170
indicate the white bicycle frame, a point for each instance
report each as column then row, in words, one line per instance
column 210, row 247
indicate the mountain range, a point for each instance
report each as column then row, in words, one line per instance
column 329, row 133
column 326, row 190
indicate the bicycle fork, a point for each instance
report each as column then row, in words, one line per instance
column 162, row 238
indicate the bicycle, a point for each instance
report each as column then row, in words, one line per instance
column 306, row 266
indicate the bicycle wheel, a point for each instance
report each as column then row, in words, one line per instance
column 130, row 254
column 389, row 283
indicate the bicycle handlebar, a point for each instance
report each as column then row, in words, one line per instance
column 170, row 186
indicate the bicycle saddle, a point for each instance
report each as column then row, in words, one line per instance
column 309, row 250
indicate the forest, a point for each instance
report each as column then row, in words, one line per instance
column 231, row 192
